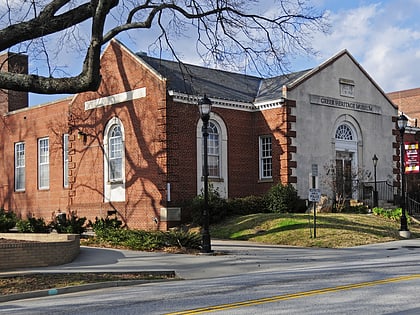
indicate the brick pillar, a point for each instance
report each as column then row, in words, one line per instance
column 13, row 100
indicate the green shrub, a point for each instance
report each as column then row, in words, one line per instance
column 217, row 207
column 70, row 224
column 362, row 209
column 246, row 205
column 182, row 239
column 102, row 225
column 393, row 214
column 148, row 240
column 32, row 225
column 7, row 220
column 284, row 198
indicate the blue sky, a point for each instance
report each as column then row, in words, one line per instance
column 383, row 36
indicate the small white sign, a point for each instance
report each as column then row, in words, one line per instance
column 314, row 194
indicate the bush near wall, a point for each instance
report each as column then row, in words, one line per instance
column 279, row 199
column 7, row 220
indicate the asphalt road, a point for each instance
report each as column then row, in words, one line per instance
column 250, row 279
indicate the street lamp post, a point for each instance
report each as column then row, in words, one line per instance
column 375, row 191
column 402, row 124
column 204, row 106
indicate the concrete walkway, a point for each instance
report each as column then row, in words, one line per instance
column 229, row 258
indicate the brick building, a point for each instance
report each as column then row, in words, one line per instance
column 134, row 146
column 408, row 103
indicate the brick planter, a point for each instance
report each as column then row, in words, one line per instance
column 42, row 250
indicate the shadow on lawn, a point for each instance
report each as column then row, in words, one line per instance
column 331, row 223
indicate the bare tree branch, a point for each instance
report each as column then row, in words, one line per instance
column 228, row 32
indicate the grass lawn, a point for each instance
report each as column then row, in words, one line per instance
column 332, row 229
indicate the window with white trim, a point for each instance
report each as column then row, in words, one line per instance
column 66, row 160
column 344, row 132
column 115, row 154
column 20, row 166
column 213, row 152
column 266, row 160
column 43, row 163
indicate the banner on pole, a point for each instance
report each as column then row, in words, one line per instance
column 411, row 158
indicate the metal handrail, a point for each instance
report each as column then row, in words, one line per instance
column 386, row 192
column 413, row 206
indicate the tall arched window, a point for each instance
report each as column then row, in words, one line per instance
column 213, row 151
column 217, row 144
column 115, row 153
column 346, row 160
column 114, row 161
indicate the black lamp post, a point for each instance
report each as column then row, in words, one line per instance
column 402, row 124
column 204, row 106
column 375, row 191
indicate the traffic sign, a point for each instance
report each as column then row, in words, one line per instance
column 314, row 194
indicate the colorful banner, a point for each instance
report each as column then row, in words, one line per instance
column 411, row 158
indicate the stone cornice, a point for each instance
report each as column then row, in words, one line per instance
column 228, row 104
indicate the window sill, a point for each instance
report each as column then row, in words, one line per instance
column 214, row 179
column 265, row 180
column 117, row 182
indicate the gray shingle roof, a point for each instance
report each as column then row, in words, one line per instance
column 197, row 80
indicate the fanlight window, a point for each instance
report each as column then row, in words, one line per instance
column 344, row 132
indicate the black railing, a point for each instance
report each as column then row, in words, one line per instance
column 413, row 206
column 386, row 192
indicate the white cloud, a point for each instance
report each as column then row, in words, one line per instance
column 382, row 36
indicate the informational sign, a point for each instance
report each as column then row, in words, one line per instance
column 411, row 157
column 314, row 169
column 314, row 194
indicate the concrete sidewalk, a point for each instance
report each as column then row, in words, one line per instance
column 230, row 258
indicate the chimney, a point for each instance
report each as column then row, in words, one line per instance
column 13, row 100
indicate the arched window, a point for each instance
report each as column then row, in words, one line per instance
column 217, row 145
column 344, row 132
column 114, row 161
column 213, row 150
column 115, row 153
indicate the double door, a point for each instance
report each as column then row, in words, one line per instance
column 344, row 178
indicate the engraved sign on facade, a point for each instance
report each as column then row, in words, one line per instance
column 334, row 102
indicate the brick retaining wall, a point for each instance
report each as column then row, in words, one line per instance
column 46, row 250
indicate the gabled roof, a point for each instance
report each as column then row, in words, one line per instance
column 271, row 88
column 330, row 61
column 196, row 80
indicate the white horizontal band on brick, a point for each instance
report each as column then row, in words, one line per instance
column 116, row 98
column 243, row 106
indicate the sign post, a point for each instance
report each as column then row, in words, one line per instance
column 314, row 196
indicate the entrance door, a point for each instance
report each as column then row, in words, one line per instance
column 344, row 174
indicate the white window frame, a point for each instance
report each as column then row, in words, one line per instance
column 221, row 183
column 43, row 163
column 213, row 152
column 115, row 154
column 266, row 157
column 20, row 166
column 114, row 189
column 66, row 160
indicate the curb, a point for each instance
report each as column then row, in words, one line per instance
column 83, row 287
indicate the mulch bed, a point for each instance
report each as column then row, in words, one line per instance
column 34, row 282
column 46, row 281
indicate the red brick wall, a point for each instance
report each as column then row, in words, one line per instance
column 13, row 100
column 144, row 123
column 28, row 126
column 160, row 148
